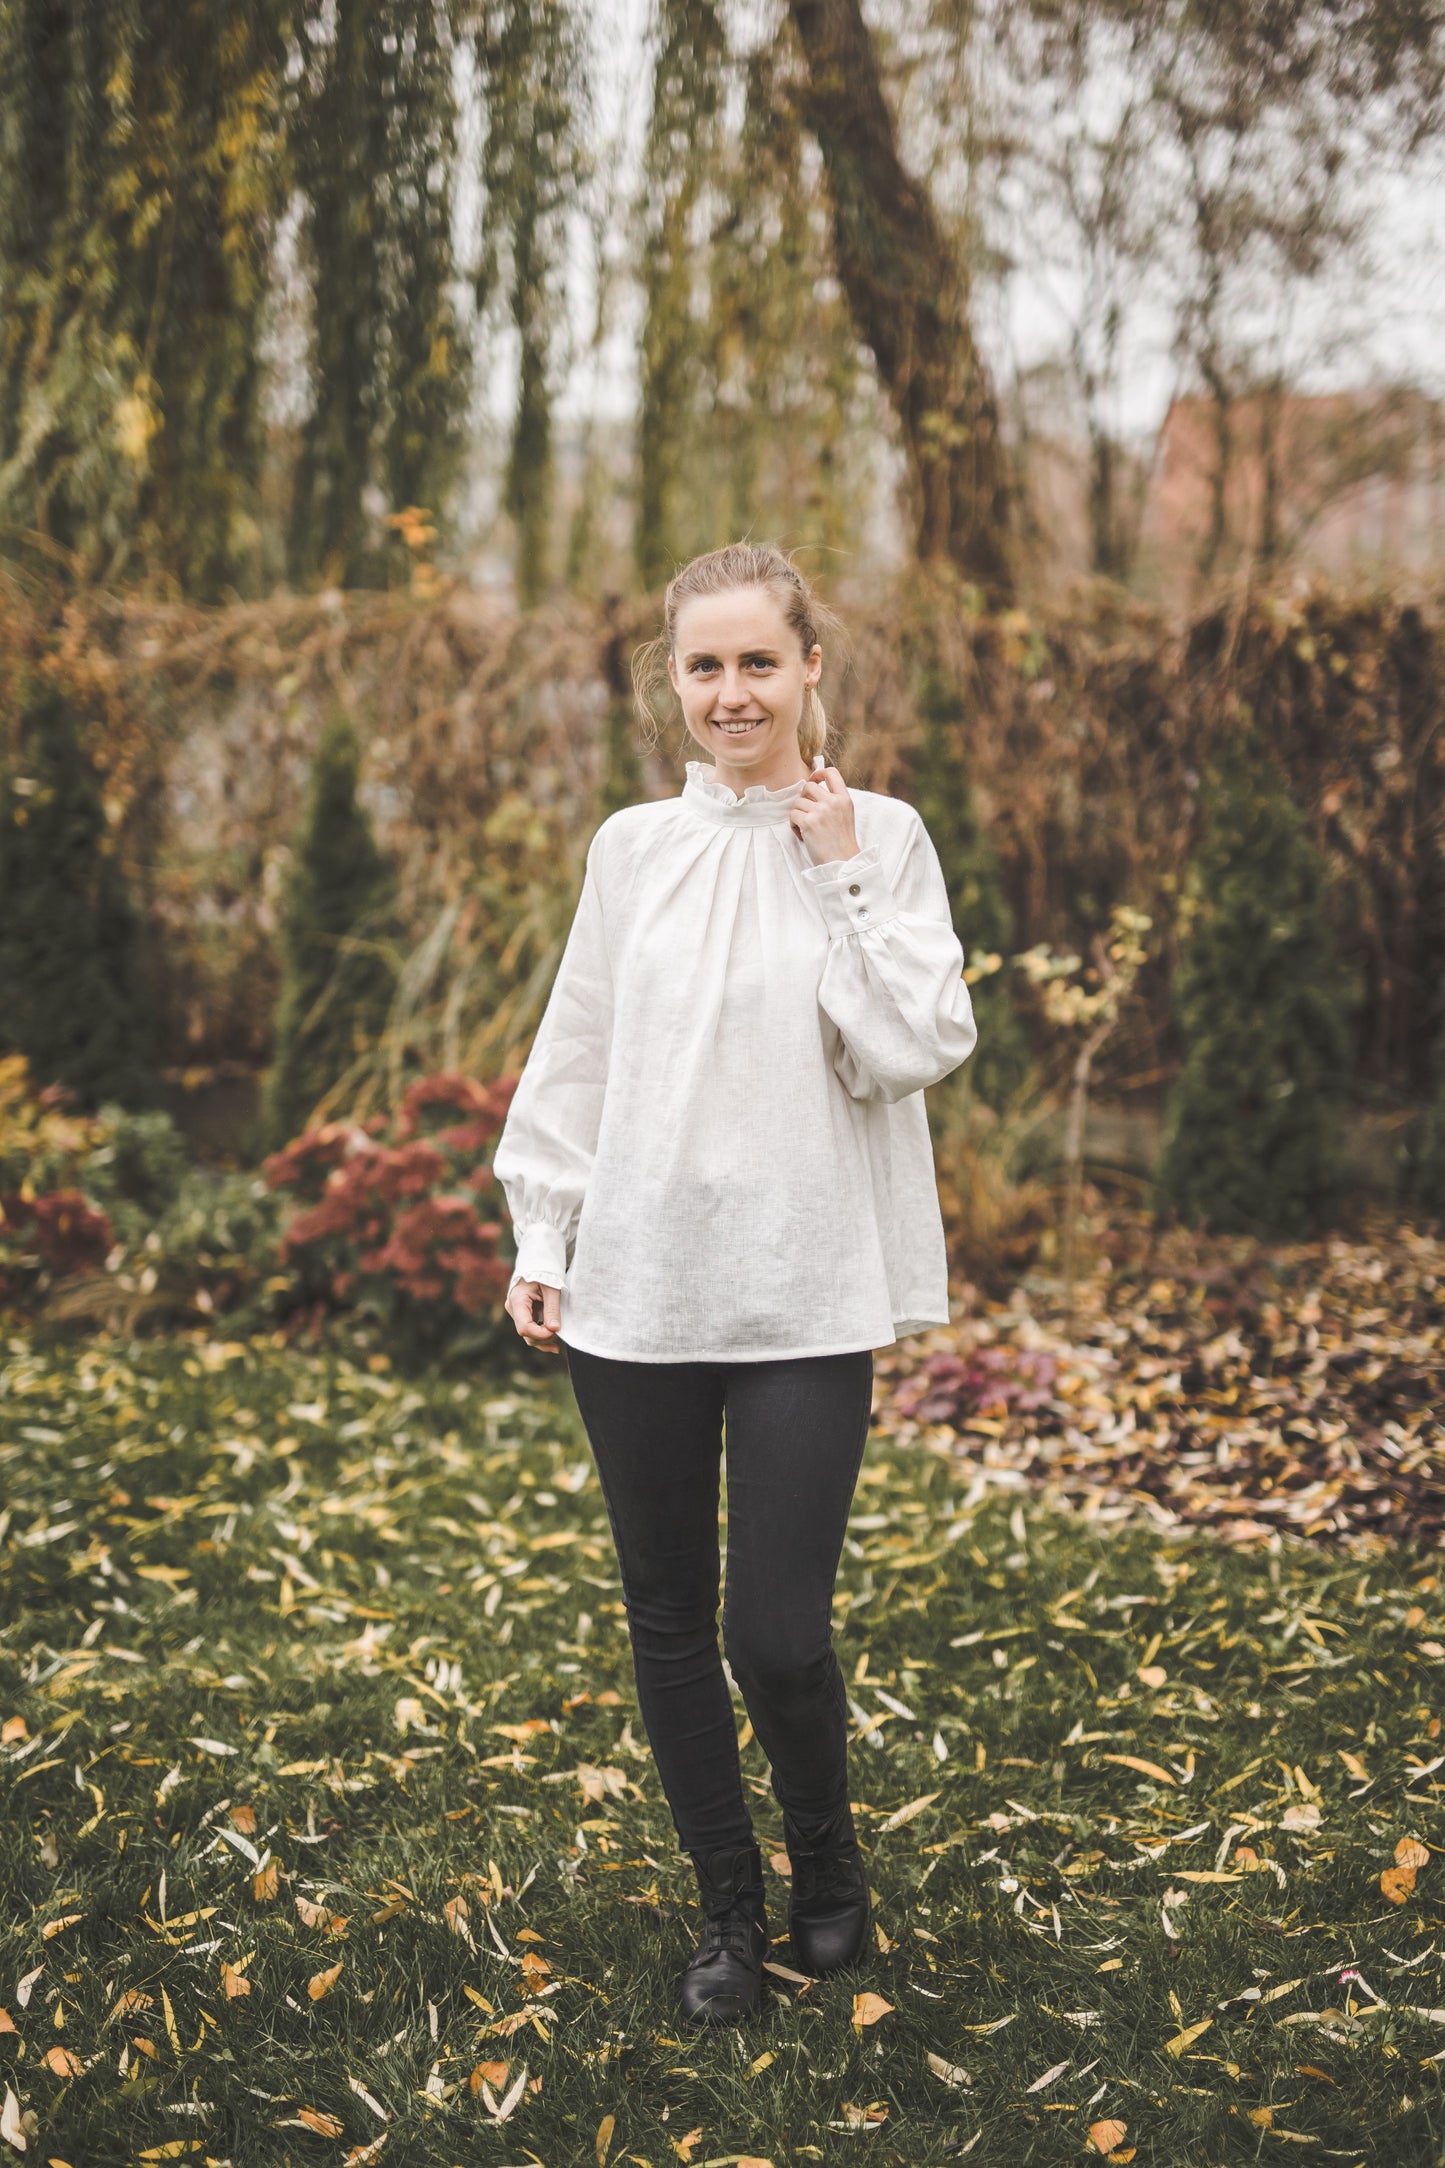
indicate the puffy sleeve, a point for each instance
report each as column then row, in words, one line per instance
column 544, row 1154
column 892, row 980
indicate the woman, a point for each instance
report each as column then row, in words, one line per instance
column 720, row 1177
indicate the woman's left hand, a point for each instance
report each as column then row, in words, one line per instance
column 822, row 818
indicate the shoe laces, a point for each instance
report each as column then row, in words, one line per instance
column 735, row 1931
column 827, row 1874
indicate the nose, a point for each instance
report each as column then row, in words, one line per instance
column 732, row 693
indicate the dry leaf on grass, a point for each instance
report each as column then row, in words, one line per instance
column 868, row 2008
column 1187, row 2038
column 867, row 2118
column 325, row 2126
column 321, row 1983
column 1144, row 1768
column 12, row 2130
column 63, row 2062
column 914, row 1808
column 314, row 1915
column 1106, row 2134
column 1410, row 1852
column 604, row 2138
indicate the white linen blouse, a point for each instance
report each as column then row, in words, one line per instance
column 718, row 1147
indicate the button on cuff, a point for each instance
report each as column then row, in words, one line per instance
column 853, row 893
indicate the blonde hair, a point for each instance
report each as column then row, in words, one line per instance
column 720, row 572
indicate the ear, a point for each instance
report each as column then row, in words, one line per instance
column 813, row 668
column 672, row 676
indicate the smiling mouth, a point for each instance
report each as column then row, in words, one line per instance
column 740, row 730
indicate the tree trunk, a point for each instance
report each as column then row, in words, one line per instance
column 909, row 299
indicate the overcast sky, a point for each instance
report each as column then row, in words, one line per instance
column 1394, row 326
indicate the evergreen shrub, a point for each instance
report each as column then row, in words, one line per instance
column 941, row 790
column 1252, row 1141
column 76, row 1004
column 337, row 938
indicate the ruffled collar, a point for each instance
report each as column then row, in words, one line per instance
column 714, row 801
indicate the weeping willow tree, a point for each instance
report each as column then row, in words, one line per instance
column 682, row 158
column 372, row 130
column 531, row 65
column 754, row 397
column 139, row 173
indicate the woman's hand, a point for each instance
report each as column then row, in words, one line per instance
column 518, row 1307
column 822, row 818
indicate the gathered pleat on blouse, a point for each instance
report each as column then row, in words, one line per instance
column 718, row 1148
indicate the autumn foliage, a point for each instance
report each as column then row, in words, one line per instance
column 393, row 1220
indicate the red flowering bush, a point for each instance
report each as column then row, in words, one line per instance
column 45, row 1239
column 394, row 1224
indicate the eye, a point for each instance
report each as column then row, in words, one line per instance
column 760, row 662
column 703, row 662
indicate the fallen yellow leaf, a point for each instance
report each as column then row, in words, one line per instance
column 1396, row 1883
column 868, row 2008
column 1105, row 2135
column 321, row 1983
column 1410, row 1852
column 867, row 2118
column 1144, row 1768
column 314, row 1915
column 901, row 1815
column 63, row 2062
column 683, row 2147
column 1153, row 1675
column 1187, row 2038
column 604, row 2138
column 324, row 2125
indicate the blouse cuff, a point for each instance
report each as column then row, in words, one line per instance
column 541, row 1256
column 854, row 893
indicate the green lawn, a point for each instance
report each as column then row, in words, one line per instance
column 316, row 1681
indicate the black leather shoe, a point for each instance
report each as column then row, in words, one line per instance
column 830, row 1909
column 725, row 1978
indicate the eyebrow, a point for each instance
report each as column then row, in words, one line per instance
column 708, row 654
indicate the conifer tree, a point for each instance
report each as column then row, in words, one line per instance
column 75, row 1000
column 941, row 789
column 338, row 971
column 1252, row 1130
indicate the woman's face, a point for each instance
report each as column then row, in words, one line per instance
column 742, row 677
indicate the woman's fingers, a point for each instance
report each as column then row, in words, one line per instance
column 536, row 1311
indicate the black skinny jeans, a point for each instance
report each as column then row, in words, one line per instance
column 796, row 1430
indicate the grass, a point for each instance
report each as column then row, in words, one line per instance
column 288, row 1643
